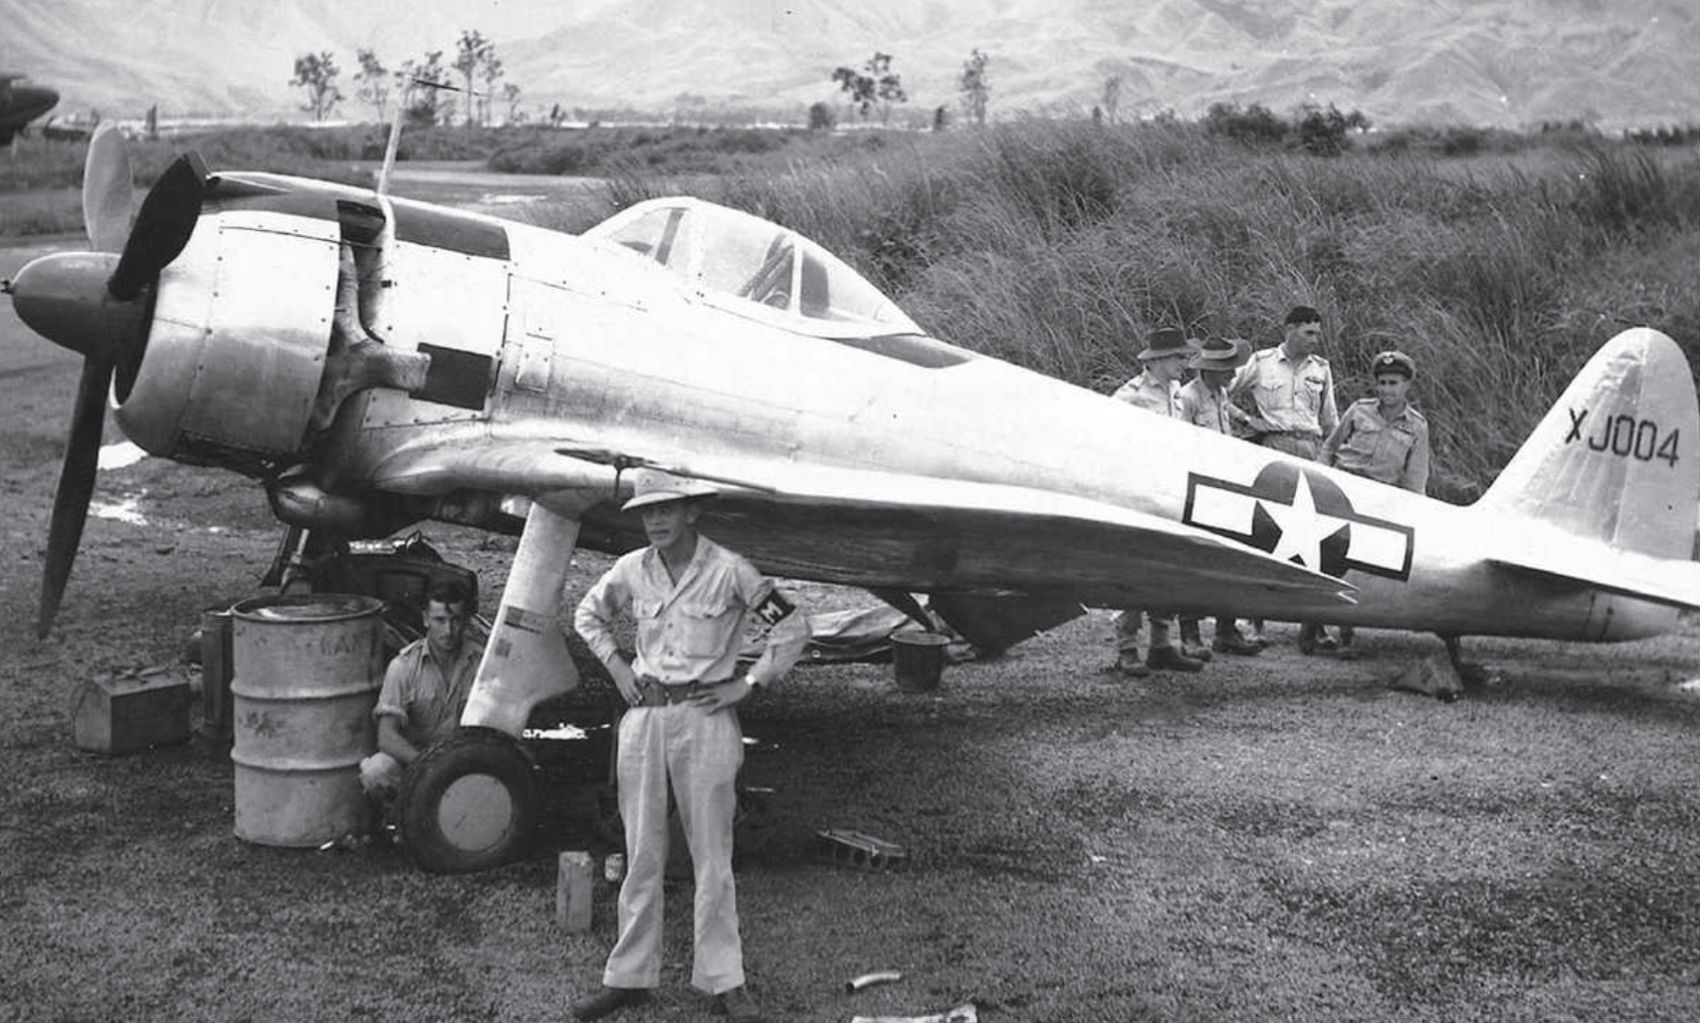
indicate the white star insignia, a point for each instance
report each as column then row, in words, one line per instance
column 1303, row 529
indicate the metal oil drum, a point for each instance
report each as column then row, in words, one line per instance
column 307, row 673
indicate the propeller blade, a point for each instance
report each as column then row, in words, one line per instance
column 163, row 226
column 76, row 487
column 108, row 192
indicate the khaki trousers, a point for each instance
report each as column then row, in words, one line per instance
column 699, row 755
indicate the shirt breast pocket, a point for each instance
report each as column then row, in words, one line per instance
column 1400, row 439
column 648, row 615
column 703, row 627
column 1311, row 389
column 1366, row 436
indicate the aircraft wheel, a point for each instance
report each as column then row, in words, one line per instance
column 468, row 804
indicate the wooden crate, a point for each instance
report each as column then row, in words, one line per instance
column 132, row 712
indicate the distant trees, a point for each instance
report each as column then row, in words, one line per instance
column 481, row 73
column 491, row 73
column 1255, row 125
column 374, row 83
column 821, row 117
column 421, row 103
column 1324, row 132
column 1112, row 97
column 875, row 81
column 1313, row 129
column 475, row 58
column 317, row 73
column 974, row 88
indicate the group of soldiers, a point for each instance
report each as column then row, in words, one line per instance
column 1281, row 397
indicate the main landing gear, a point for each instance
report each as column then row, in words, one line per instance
column 470, row 803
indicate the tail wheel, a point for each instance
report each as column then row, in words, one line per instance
column 468, row 804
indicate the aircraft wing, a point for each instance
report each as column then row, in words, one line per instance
column 872, row 528
column 1601, row 566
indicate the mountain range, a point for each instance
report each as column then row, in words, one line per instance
column 1507, row 63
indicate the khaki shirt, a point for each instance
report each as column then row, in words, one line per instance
column 427, row 697
column 691, row 631
column 1144, row 391
column 1291, row 397
column 1206, row 406
column 1391, row 450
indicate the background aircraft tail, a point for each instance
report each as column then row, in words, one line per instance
column 1618, row 458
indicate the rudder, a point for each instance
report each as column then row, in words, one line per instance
column 1618, row 457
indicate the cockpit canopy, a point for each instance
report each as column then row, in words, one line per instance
column 756, row 267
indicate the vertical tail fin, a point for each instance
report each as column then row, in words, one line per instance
column 1618, row 458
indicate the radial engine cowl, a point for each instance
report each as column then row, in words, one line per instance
column 241, row 326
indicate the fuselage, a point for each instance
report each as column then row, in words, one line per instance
column 582, row 339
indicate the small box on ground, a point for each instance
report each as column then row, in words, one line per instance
column 133, row 712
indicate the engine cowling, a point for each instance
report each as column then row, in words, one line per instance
column 240, row 331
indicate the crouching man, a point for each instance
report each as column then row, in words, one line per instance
column 690, row 598
column 424, row 691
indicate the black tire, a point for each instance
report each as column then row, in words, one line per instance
column 468, row 804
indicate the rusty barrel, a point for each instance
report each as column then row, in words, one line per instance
column 307, row 673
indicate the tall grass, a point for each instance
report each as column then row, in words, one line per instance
column 1060, row 245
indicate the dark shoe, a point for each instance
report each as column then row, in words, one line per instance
column 609, row 999
column 1167, row 658
column 739, row 1006
column 1197, row 653
column 1324, row 641
column 1236, row 644
column 1127, row 663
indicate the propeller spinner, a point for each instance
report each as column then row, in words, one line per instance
column 93, row 303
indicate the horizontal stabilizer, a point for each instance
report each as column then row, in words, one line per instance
column 1600, row 566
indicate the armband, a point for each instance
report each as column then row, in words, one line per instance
column 774, row 608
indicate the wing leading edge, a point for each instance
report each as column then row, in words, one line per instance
column 874, row 529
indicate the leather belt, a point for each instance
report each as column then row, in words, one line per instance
column 652, row 692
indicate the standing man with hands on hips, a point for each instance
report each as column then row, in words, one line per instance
column 690, row 598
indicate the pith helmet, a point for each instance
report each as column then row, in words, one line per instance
column 652, row 486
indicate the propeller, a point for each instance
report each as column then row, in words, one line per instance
column 87, row 302
column 107, row 190
column 163, row 226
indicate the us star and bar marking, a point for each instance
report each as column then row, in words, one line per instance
column 1296, row 515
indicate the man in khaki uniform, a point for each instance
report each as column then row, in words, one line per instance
column 1204, row 402
column 424, row 692
column 1383, row 438
column 1291, row 390
column 691, row 598
column 1156, row 389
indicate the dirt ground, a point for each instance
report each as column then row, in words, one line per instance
column 1279, row 838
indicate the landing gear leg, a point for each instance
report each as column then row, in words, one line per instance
column 1472, row 674
column 471, row 803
